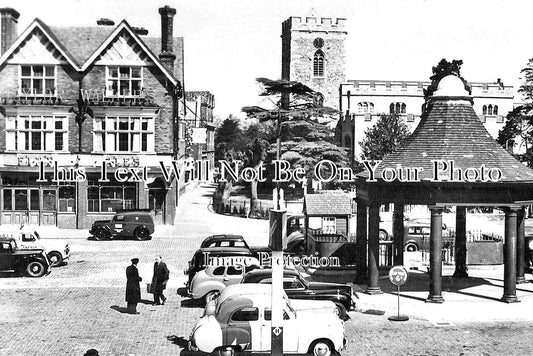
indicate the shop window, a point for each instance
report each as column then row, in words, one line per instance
column 49, row 200
column 34, row 199
column 124, row 81
column 111, row 198
column 36, row 133
column 67, row 199
column 124, row 134
column 328, row 225
column 7, row 201
column 318, row 64
column 37, row 81
column 21, row 199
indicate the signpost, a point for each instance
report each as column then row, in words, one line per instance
column 398, row 277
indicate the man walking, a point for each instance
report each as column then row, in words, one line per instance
column 159, row 280
column 133, row 286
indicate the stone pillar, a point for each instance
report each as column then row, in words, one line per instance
column 361, row 243
column 520, row 245
column 373, row 250
column 461, row 270
column 397, row 233
column 435, row 257
column 81, row 205
column 509, row 257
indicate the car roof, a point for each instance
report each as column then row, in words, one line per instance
column 222, row 237
column 256, row 273
column 213, row 250
column 253, row 262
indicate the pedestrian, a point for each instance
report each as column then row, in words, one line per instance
column 133, row 287
column 159, row 280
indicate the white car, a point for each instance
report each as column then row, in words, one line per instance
column 240, row 320
column 57, row 251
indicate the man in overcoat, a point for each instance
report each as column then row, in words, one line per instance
column 133, row 287
column 159, row 280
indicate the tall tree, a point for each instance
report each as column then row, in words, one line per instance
column 518, row 128
column 384, row 137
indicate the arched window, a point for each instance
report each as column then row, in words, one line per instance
column 489, row 109
column 398, row 108
column 318, row 64
column 371, row 108
column 359, row 107
column 484, row 109
column 365, row 107
column 495, row 110
column 391, row 108
column 403, row 108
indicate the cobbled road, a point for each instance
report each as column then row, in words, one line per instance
column 81, row 305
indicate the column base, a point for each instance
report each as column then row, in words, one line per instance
column 521, row 280
column 373, row 290
column 510, row 299
column 460, row 274
column 437, row 299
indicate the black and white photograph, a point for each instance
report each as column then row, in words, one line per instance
column 266, row 177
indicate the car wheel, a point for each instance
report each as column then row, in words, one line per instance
column 340, row 311
column 101, row 234
column 383, row 235
column 141, row 233
column 226, row 351
column 411, row 247
column 35, row 269
column 321, row 348
column 55, row 258
column 210, row 296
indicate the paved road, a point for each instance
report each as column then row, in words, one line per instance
column 81, row 305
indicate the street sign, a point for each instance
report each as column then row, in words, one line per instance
column 398, row 275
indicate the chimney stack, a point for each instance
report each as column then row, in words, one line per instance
column 8, row 28
column 167, row 56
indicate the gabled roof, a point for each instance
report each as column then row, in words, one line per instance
column 451, row 130
column 81, row 46
column 328, row 204
column 37, row 23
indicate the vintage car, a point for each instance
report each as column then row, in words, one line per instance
column 416, row 235
column 298, row 287
column 33, row 262
column 224, row 240
column 207, row 283
column 200, row 259
column 240, row 319
column 58, row 251
column 136, row 224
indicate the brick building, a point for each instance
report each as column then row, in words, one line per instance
column 86, row 116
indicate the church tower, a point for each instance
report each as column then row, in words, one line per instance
column 313, row 53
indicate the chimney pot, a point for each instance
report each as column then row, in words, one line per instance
column 8, row 28
column 167, row 56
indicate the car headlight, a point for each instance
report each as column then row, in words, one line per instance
column 530, row 244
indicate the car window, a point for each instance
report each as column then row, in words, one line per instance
column 119, row 218
column 292, row 283
column 5, row 246
column 234, row 271
column 245, row 314
column 219, row 271
column 239, row 244
column 27, row 237
column 268, row 315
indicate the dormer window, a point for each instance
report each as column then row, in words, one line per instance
column 123, row 81
column 37, row 81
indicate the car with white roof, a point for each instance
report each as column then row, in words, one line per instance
column 240, row 319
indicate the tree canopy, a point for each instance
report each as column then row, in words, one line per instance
column 384, row 137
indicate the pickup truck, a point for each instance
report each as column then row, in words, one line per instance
column 58, row 251
column 33, row 262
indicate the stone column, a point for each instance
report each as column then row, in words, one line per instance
column 520, row 245
column 435, row 257
column 361, row 244
column 509, row 257
column 373, row 250
column 461, row 270
column 397, row 233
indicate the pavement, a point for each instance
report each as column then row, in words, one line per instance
column 81, row 305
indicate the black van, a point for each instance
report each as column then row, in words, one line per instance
column 136, row 224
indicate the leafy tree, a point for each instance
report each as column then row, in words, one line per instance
column 384, row 137
column 519, row 124
column 443, row 69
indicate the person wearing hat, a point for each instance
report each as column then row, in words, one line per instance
column 133, row 286
column 159, row 280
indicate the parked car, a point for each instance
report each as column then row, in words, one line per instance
column 298, row 287
column 416, row 235
column 207, row 283
column 200, row 259
column 136, row 224
column 33, row 262
column 224, row 240
column 240, row 320
column 58, row 251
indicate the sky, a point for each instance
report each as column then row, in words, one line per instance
column 229, row 43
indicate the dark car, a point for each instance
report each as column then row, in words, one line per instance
column 224, row 240
column 200, row 259
column 32, row 262
column 416, row 235
column 136, row 224
column 298, row 287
